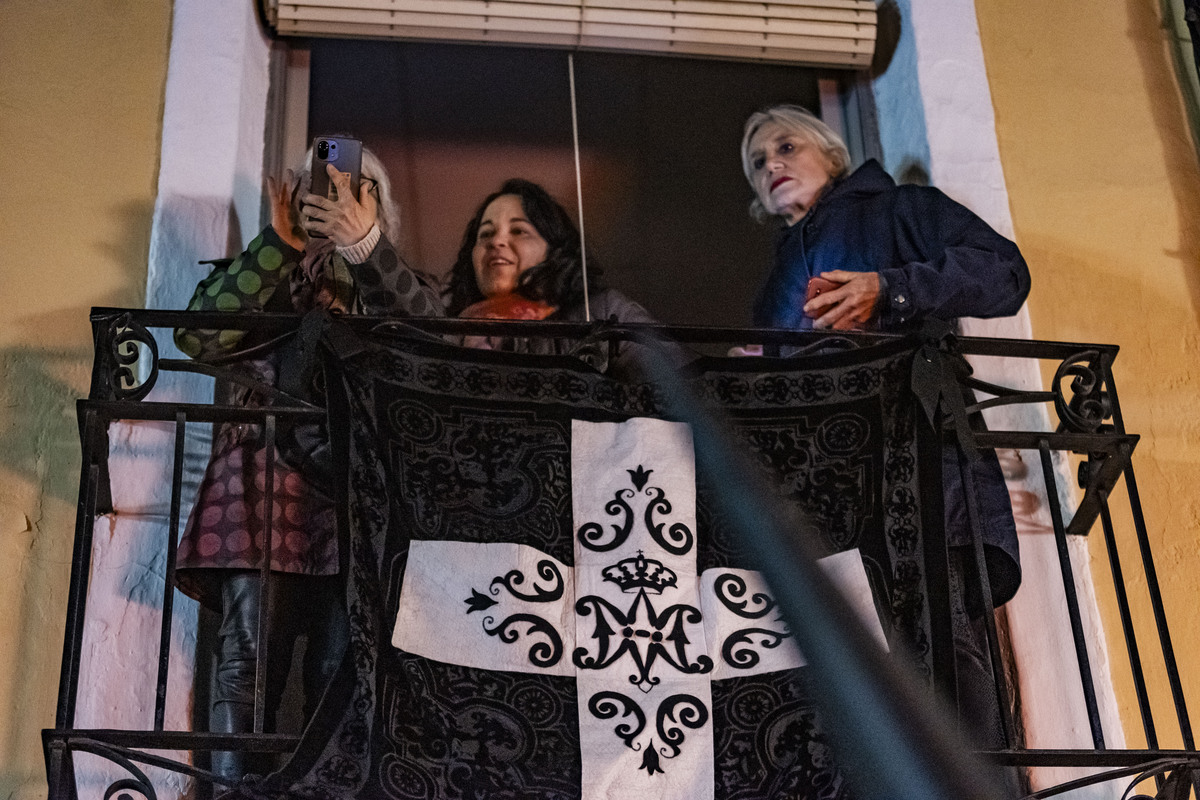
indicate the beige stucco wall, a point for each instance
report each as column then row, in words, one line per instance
column 81, row 95
column 1105, row 194
column 1101, row 172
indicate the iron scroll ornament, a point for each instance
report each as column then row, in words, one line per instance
column 139, row 783
column 1089, row 403
column 124, row 336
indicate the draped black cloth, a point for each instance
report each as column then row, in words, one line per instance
column 444, row 444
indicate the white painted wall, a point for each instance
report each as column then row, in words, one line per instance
column 208, row 206
column 965, row 163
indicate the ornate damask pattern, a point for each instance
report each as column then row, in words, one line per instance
column 837, row 440
column 770, row 742
column 450, row 731
column 478, row 449
column 480, row 474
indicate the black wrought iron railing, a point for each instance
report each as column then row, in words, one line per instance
column 1080, row 405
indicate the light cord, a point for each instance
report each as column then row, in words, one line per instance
column 587, row 308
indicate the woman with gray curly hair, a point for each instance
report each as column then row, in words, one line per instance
column 317, row 253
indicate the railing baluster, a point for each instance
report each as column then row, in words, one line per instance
column 168, row 604
column 1131, row 644
column 1160, row 615
column 264, row 608
column 81, row 561
column 1150, row 572
column 1068, row 578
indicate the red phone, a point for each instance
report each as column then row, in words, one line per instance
column 818, row 285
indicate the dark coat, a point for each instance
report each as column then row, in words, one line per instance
column 935, row 258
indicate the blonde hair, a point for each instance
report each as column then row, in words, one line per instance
column 801, row 122
column 388, row 214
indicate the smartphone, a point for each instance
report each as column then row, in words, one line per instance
column 345, row 153
column 817, row 285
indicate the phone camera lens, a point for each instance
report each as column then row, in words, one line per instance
column 323, row 150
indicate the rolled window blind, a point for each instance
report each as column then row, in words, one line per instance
column 810, row 32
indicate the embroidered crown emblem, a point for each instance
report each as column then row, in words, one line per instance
column 632, row 574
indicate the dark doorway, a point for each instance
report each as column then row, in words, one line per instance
column 665, row 202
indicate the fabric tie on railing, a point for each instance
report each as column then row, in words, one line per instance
column 937, row 374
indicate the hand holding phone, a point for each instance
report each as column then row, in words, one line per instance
column 818, row 285
column 336, row 170
column 345, row 154
column 285, row 216
column 854, row 309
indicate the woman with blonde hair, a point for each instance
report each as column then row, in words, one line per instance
column 888, row 256
column 856, row 251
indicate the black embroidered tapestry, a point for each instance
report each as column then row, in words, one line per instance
column 545, row 603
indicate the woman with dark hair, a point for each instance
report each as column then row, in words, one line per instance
column 521, row 258
column 557, row 278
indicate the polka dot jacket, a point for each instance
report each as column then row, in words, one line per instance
column 225, row 529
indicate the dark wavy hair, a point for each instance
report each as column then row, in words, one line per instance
column 558, row 280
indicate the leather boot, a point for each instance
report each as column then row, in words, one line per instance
column 232, row 709
column 226, row 717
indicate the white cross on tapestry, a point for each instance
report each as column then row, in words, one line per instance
column 641, row 631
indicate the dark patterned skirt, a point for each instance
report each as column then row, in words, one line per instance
column 226, row 527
